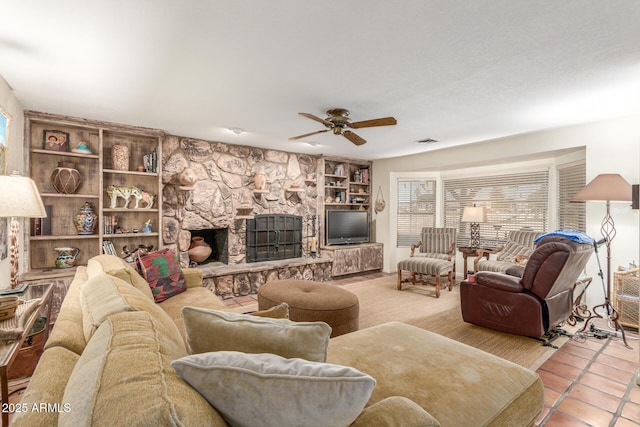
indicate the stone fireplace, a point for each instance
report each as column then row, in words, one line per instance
column 223, row 196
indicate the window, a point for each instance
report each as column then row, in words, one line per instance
column 571, row 179
column 416, row 209
column 513, row 202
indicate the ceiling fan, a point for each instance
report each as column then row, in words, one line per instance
column 339, row 123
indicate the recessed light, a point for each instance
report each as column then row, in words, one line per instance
column 237, row 131
column 426, row 141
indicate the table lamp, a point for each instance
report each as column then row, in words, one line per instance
column 20, row 199
column 475, row 215
column 608, row 187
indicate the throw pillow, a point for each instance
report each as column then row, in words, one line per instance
column 214, row 330
column 511, row 250
column 266, row 389
column 280, row 311
column 163, row 273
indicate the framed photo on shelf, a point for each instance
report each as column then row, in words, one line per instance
column 55, row 140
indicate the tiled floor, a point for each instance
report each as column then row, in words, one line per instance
column 586, row 382
column 592, row 382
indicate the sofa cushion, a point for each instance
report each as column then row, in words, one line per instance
column 395, row 411
column 114, row 266
column 430, row 369
column 46, row 386
column 266, row 389
column 215, row 330
column 124, row 377
column 162, row 271
column 104, row 295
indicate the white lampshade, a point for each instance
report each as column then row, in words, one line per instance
column 20, row 197
column 606, row 187
column 474, row 214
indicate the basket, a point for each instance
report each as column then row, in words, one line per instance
column 626, row 296
column 8, row 306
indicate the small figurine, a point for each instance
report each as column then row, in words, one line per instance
column 146, row 228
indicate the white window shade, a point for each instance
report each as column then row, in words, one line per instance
column 512, row 201
column 571, row 179
column 416, row 209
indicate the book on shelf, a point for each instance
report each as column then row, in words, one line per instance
column 108, row 248
column 42, row 226
column 110, row 224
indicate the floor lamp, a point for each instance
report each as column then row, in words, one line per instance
column 475, row 215
column 607, row 188
column 20, row 199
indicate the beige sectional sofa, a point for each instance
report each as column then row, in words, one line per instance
column 108, row 362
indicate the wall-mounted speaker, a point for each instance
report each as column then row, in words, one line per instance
column 635, row 196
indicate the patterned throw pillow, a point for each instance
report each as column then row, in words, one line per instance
column 163, row 273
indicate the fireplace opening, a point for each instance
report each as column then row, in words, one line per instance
column 274, row 236
column 218, row 240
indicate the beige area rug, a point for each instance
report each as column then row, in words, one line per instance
column 381, row 302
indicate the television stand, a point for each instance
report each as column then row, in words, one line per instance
column 354, row 258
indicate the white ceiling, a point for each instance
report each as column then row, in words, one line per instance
column 456, row 71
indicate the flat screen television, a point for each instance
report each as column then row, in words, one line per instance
column 346, row 227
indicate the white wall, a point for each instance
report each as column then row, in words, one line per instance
column 9, row 104
column 610, row 146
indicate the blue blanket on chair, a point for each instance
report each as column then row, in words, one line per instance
column 575, row 235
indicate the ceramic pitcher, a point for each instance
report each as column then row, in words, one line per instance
column 66, row 256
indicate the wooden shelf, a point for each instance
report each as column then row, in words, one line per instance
column 260, row 191
column 97, row 173
column 295, row 190
column 64, row 237
column 122, row 235
column 244, row 217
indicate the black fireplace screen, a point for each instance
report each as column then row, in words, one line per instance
column 271, row 237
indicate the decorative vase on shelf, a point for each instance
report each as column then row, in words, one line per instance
column 65, row 178
column 120, row 157
column 259, row 180
column 86, row 221
column 199, row 250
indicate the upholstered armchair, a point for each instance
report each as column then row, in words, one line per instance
column 435, row 257
column 436, row 242
column 537, row 302
column 515, row 252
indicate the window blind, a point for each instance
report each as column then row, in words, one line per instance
column 416, row 209
column 571, row 179
column 513, row 202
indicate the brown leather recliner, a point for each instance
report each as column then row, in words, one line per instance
column 535, row 303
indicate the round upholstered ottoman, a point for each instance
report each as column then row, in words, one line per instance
column 312, row 302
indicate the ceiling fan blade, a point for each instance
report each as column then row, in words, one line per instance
column 317, row 119
column 309, row 134
column 353, row 137
column 385, row 121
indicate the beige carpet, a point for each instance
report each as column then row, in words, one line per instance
column 380, row 302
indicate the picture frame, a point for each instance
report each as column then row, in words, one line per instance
column 55, row 140
column 5, row 120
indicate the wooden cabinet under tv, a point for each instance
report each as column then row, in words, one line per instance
column 352, row 259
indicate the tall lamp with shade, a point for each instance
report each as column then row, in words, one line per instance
column 20, row 199
column 475, row 215
column 606, row 188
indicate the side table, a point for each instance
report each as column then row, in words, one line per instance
column 470, row 252
column 9, row 349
